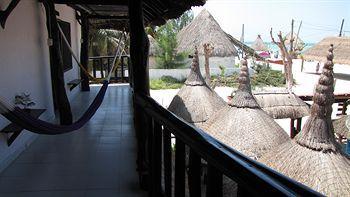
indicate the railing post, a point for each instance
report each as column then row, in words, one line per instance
column 155, row 143
column 94, row 67
column 122, row 67
column 101, row 67
column 214, row 182
column 180, row 168
column 167, row 157
column 194, row 174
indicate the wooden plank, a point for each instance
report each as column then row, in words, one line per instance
column 214, row 182
column 194, row 174
column 180, row 167
column 167, row 157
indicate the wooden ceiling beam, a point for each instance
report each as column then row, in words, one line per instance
column 93, row 2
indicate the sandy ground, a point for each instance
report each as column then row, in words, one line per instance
column 305, row 83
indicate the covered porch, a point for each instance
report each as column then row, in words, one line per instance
column 97, row 160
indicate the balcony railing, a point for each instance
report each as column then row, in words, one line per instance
column 253, row 178
column 102, row 65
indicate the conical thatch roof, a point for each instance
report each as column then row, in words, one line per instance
column 258, row 44
column 314, row 158
column 341, row 50
column 281, row 105
column 300, row 43
column 340, row 127
column 204, row 29
column 196, row 102
column 243, row 125
column 152, row 46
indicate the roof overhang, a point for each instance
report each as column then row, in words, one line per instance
column 113, row 13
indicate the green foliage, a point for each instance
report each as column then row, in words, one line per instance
column 165, row 36
column 165, row 82
column 103, row 41
column 268, row 77
column 222, row 70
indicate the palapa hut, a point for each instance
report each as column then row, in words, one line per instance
column 298, row 44
column 283, row 104
column 243, row 125
column 313, row 157
column 341, row 50
column 258, row 44
column 196, row 102
column 340, row 127
column 205, row 29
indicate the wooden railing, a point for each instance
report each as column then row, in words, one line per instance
column 102, row 65
column 253, row 178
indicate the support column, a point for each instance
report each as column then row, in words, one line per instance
column 57, row 77
column 139, row 47
column 84, row 53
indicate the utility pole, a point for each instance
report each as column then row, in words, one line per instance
column 242, row 39
column 296, row 42
column 291, row 37
column 341, row 28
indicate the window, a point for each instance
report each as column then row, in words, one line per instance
column 65, row 52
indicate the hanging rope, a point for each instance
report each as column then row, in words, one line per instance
column 86, row 72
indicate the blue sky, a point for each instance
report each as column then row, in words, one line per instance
column 319, row 18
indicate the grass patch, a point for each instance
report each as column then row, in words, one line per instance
column 166, row 82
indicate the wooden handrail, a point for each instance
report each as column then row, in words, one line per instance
column 245, row 171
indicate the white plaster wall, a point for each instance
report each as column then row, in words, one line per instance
column 25, row 66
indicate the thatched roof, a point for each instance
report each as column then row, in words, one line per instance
column 196, row 102
column 243, row 125
column 281, row 105
column 258, row 44
column 340, row 127
column 314, row 158
column 152, row 46
column 246, row 49
column 300, row 43
column 341, row 50
column 204, row 29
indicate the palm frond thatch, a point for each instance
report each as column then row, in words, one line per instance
column 243, row 125
column 205, row 29
column 258, row 44
column 281, row 105
column 314, row 158
column 299, row 42
column 341, row 50
column 340, row 127
column 196, row 102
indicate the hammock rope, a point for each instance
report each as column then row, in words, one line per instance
column 35, row 125
column 86, row 72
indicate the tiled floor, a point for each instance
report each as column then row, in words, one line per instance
column 97, row 160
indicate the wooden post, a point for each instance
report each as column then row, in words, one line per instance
column 58, row 85
column 139, row 47
column 167, row 159
column 291, row 38
column 341, row 28
column 292, row 129
column 194, row 174
column 214, row 182
column 207, row 52
column 180, row 168
column 84, row 54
